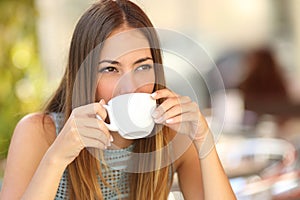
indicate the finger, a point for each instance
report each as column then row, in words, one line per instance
column 89, row 142
column 163, row 93
column 94, row 134
column 173, row 112
column 184, row 124
column 90, row 110
column 100, row 110
column 185, row 117
column 93, row 123
column 168, row 104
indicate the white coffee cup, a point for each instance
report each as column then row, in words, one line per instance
column 130, row 115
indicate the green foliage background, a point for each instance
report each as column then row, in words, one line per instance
column 21, row 75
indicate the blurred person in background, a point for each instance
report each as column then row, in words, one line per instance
column 53, row 154
column 264, row 88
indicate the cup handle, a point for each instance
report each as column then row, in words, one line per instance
column 110, row 126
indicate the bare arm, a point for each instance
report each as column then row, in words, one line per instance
column 36, row 164
column 216, row 185
column 189, row 173
column 29, row 143
column 184, row 117
column 202, row 178
column 44, row 183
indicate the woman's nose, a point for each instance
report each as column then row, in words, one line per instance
column 127, row 84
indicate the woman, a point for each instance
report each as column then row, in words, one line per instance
column 65, row 152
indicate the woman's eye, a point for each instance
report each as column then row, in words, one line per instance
column 143, row 67
column 108, row 69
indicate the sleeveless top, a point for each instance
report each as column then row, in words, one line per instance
column 116, row 177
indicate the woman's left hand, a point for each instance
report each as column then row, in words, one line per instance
column 181, row 114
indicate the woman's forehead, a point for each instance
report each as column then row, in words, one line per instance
column 123, row 42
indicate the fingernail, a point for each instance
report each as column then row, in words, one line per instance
column 153, row 95
column 155, row 114
column 159, row 120
column 168, row 121
column 111, row 138
column 101, row 101
column 98, row 117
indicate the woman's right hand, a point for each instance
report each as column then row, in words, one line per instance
column 81, row 130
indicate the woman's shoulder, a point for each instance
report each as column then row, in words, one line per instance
column 37, row 126
column 30, row 141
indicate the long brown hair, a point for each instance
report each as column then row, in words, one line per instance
column 78, row 88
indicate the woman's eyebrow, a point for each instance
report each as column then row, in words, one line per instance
column 109, row 61
column 114, row 62
column 142, row 60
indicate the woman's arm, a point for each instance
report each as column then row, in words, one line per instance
column 35, row 165
column 216, row 185
column 29, row 143
column 184, row 117
column 189, row 171
column 202, row 178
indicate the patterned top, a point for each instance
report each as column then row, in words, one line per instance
column 116, row 177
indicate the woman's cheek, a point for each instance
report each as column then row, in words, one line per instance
column 147, row 88
column 105, row 90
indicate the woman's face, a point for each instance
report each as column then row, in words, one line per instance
column 125, row 65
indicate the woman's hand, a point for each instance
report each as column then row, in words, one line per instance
column 184, row 116
column 181, row 114
column 81, row 130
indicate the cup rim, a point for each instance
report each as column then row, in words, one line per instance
column 126, row 94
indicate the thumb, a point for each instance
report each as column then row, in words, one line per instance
column 101, row 113
column 102, row 102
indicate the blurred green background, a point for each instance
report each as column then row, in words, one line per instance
column 22, row 77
